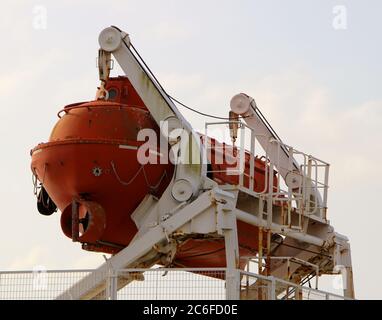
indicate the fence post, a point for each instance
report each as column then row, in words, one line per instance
column 111, row 285
column 232, row 279
column 272, row 288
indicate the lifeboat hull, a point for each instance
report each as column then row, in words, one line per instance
column 90, row 166
column 108, row 174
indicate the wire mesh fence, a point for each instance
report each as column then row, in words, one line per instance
column 38, row 284
column 258, row 287
column 153, row 284
column 173, row 284
column 255, row 287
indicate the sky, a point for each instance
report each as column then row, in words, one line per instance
column 313, row 66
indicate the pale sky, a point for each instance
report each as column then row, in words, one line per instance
column 318, row 86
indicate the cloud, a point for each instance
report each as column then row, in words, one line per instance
column 89, row 261
column 44, row 70
column 36, row 255
column 176, row 82
column 306, row 114
column 166, row 31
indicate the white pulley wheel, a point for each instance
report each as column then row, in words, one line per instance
column 241, row 104
column 110, row 39
column 293, row 180
column 182, row 190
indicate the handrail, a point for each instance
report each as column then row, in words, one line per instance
column 90, row 108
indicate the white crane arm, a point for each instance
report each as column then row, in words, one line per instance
column 278, row 154
column 163, row 110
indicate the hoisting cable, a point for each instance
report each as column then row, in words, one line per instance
column 199, row 112
column 152, row 76
column 256, row 109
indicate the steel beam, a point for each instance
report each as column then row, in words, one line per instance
column 277, row 228
column 94, row 283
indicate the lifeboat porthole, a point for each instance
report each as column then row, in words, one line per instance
column 113, row 93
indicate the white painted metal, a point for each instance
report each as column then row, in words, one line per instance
column 182, row 190
column 343, row 264
column 159, row 104
column 210, row 203
column 184, row 209
column 295, row 234
column 313, row 230
column 226, row 225
column 277, row 153
column 300, row 184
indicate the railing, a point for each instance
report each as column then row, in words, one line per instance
column 37, row 284
column 257, row 287
column 174, row 284
column 298, row 185
column 155, row 284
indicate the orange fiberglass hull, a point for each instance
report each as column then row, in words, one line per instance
column 91, row 162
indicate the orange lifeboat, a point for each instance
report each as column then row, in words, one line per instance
column 91, row 157
column 90, row 172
